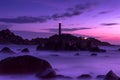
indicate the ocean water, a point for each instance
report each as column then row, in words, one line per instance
column 66, row 63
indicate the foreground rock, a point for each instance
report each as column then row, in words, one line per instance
column 85, row 76
column 26, row 65
column 25, row 50
column 6, row 50
column 111, row 76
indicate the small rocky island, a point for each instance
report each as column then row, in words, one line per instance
column 56, row 42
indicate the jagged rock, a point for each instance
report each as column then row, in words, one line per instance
column 6, row 50
column 25, row 50
column 26, row 65
column 94, row 54
column 119, row 49
column 100, row 76
column 54, row 55
column 96, row 49
column 77, row 54
column 62, row 76
column 85, row 76
column 111, row 76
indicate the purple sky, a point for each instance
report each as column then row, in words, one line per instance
column 95, row 18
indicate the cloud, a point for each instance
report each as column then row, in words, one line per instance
column 25, row 19
column 75, row 11
column 70, row 12
column 5, row 26
column 109, row 24
column 105, row 12
column 66, row 29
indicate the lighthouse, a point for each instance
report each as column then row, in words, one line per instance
column 59, row 33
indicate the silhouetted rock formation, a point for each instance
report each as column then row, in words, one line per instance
column 94, row 54
column 119, row 49
column 7, row 50
column 55, row 42
column 70, row 42
column 7, row 37
column 100, row 76
column 85, row 76
column 63, row 77
column 26, row 65
column 111, row 76
column 25, row 50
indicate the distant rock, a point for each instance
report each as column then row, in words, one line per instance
column 48, row 73
column 6, row 50
column 94, row 54
column 26, row 65
column 119, row 49
column 25, row 50
column 54, row 55
column 64, row 77
column 77, row 54
column 111, row 76
column 96, row 49
column 100, row 76
column 88, row 76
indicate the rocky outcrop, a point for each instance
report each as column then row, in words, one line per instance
column 7, row 37
column 6, row 50
column 26, row 65
column 94, row 54
column 66, row 42
column 25, row 50
column 85, row 76
column 111, row 76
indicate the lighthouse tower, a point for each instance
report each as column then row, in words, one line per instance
column 59, row 33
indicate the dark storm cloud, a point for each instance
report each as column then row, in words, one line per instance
column 70, row 12
column 66, row 29
column 109, row 24
column 75, row 11
column 105, row 12
column 25, row 19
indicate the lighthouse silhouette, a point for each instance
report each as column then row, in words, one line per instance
column 59, row 33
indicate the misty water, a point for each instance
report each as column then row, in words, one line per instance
column 68, row 64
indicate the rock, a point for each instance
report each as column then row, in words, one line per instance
column 111, row 76
column 26, row 65
column 96, row 49
column 48, row 73
column 25, row 50
column 62, row 76
column 100, row 76
column 119, row 49
column 94, row 54
column 85, row 76
column 54, row 55
column 6, row 50
column 77, row 54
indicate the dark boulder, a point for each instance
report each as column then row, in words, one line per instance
column 100, row 76
column 94, row 54
column 96, row 49
column 77, row 54
column 111, row 76
column 25, row 65
column 25, row 50
column 6, row 50
column 85, row 76
column 63, row 77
